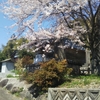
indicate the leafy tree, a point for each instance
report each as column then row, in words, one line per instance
column 78, row 20
column 23, row 52
column 11, row 49
column 8, row 50
column 2, row 57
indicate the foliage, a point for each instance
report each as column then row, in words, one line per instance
column 8, row 50
column 27, row 60
column 28, row 76
column 24, row 52
column 82, row 81
column 10, row 76
column 50, row 74
column 19, row 42
column 75, row 19
column 2, row 56
column 66, row 17
column 11, row 49
column 21, row 63
column 19, row 66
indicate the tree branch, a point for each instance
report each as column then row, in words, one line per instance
column 65, row 19
column 97, row 11
column 90, row 6
column 81, row 14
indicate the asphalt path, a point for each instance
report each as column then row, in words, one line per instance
column 5, row 95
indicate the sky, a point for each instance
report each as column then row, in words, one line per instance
column 5, row 33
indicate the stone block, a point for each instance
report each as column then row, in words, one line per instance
column 3, row 82
column 9, row 86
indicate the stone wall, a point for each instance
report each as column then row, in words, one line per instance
column 73, row 94
column 14, row 86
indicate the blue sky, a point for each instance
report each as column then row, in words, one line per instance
column 5, row 33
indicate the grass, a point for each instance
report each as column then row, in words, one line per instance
column 15, row 71
column 10, row 76
column 81, row 81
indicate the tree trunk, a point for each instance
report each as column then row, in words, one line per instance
column 95, row 50
column 60, row 51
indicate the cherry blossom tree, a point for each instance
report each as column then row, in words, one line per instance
column 75, row 19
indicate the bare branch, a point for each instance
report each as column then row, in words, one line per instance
column 84, row 20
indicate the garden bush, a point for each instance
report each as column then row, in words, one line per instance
column 20, row 65
column 51, row 74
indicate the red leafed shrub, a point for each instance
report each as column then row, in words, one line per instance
column 51, row 73
column 26, row 60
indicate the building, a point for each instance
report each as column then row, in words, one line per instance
column 7, row 66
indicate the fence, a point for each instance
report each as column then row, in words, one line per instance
column 73, row 94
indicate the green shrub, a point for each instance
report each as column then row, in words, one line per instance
column 28, row 76
column 20, row 65
column 50, row 74
column 9, row 76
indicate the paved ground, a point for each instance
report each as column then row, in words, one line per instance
column 5, row 95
